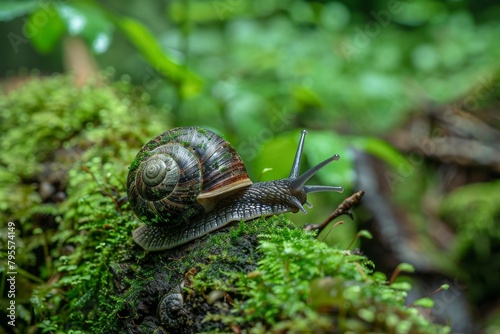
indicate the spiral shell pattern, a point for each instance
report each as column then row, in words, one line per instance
column 172, row 170
column 170, row 309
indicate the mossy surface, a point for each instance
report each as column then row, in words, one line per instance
column 259, row 277
column 65, row 192
column 64, row 156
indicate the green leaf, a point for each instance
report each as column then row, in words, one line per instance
column 424, row 302
column 90, row 22
column 379, row 277
column 320, row 145
column 149, row 47
column 307, row 96
column 45, row 28
column 405, row 267
column 11, row 9
column 367, row 315
column 365, row 234
column 277, row 153
column 382, row 150
column 405, row 286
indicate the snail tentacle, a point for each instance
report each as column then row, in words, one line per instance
column 294, row 173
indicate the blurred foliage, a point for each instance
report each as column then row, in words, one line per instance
column 270, row 66
column 475, row 214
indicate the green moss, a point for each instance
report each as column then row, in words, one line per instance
column 64, row 153
column 201, row 146
column 281, row 279
column 168, row 137
column 302, row 285
column 203, row 132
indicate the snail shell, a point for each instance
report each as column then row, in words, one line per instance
column 170, row 311
column 188, row 181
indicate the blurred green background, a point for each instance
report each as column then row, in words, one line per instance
column 405, row 91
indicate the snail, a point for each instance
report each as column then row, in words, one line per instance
column 188, row 181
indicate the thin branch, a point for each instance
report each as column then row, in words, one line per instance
column 343, row 209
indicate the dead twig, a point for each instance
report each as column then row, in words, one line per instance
column 343, row 209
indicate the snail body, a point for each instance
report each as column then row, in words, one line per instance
column 188, row 181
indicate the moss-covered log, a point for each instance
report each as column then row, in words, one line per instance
column 64, row 188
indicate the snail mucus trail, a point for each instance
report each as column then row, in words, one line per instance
column 188, row 181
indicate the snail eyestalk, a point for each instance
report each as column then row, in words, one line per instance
column 298, row 156
column 299, row 183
